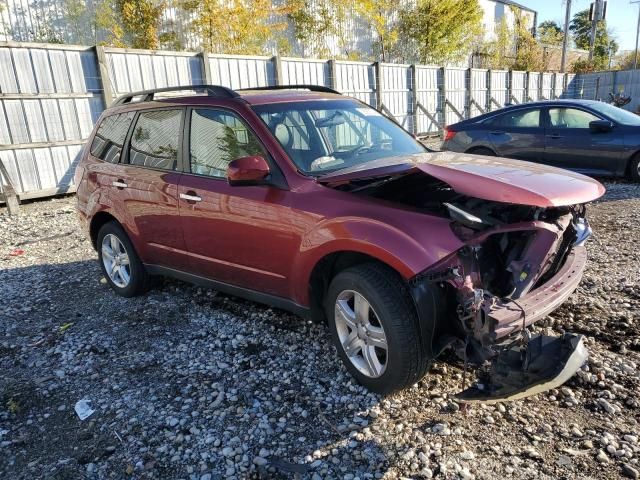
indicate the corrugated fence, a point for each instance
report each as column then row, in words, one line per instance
column 51, row 95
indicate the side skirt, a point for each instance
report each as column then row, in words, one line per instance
column 254, row 296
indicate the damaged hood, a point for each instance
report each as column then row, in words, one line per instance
column 488, row 178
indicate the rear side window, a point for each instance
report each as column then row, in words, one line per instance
column 156, row 138
column 518, row 119
column 109, row 139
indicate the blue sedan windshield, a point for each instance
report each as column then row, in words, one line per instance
column 618, row 115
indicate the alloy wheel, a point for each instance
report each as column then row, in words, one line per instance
column 116, row 260
column 361, row 334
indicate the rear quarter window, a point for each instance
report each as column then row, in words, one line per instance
column 109, row 139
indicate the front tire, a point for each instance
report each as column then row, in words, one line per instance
column 374, row 326
column 119, row 261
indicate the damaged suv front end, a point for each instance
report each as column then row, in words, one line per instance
column 523, row 230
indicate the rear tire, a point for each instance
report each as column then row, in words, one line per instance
column 634, row 168
column 381, row 348
column 487, row 152
column 119, row 261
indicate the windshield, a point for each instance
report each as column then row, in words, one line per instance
column 321, row 136
column 617, row 114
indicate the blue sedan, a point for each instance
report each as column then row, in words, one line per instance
column 583, row 135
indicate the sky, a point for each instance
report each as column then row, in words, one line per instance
column 622, row 17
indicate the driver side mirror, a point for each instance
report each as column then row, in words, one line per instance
column 600, row 126
column 251, row 170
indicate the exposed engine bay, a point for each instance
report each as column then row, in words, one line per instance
column 519, row 263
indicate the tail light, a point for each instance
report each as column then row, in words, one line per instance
column 449, row 134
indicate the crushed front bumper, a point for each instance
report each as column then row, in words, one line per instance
column 505, row 317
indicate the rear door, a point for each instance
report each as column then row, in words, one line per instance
column 149, row 187
column 240, row 235
column 570, row 143
column 518, row 134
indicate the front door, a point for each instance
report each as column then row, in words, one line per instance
column 240, row 235
column 570, row 143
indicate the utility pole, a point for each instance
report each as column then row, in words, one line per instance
column 596, row 13
column 635, row 57
column 565, row 39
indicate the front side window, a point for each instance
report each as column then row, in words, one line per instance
column 156, row 139
column 326, row 135
column 217, row 137
column 570, row 118
column 518, row 119
column 109, row 139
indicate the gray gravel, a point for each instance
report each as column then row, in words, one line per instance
column 187, row 383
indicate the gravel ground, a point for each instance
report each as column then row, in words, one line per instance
column 187, row 383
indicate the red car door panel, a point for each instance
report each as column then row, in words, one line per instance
column 234, row 234
column 238, row 235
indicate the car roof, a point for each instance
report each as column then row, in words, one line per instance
column 214, row 94
column 535, row 104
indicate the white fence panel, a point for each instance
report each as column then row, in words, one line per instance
column 533, row 89
column 242, row 72
column 297, row 71
column 546, row 89
column 456, row 91
column 357, row 80
column 558, row 85
column 499, row 88
column 396, row 92
column 427, row 83
column 518, row 87
column 478, row 94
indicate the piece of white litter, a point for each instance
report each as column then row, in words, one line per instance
column 83, row 409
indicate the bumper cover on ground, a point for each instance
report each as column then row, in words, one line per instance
column 544, row 363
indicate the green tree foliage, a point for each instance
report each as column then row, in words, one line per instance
column 380, row 15
column 236, row 26
column 529, row 55
column 550, row 33
column 442, row 31
column 604, row 45
column 140, row 21
column 107, row 30
column 314, row 23
column 500, row 51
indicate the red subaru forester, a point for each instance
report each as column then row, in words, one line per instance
column 314, row 202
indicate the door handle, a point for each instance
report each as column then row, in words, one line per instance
column 119, row 184
column 554, row 136
column 190, row 197
column 496, row 132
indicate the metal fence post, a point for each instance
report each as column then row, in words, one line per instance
column 468, row 96
column 206, row 67
column 489, row 93
column 378, row 70
column 443, row 95
column 8, row 192
column 332, row 74
column 277, row 67
column 105, row 79
column 525, row 94
column 414, row 99
column 510, row 96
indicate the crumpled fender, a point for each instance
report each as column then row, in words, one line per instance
column 408, row 249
